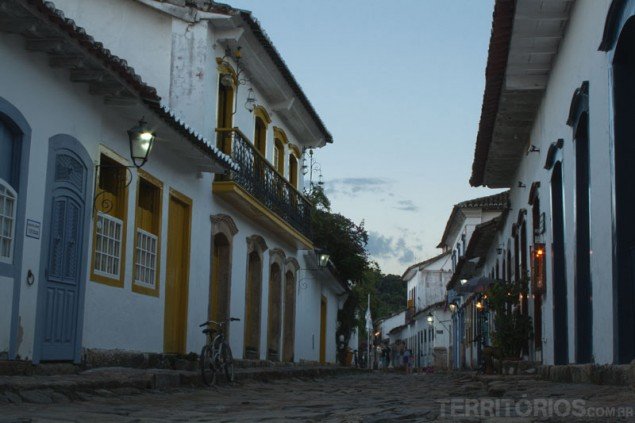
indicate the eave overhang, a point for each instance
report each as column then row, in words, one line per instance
column 46, row 30
column 268, row 72
column 525, row 38
column 476, row 251
column 499, row 201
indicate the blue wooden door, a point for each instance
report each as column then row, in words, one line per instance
column 67, row 189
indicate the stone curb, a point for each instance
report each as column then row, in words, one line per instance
column 106, row 382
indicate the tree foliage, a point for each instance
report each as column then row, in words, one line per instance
column 346, row 243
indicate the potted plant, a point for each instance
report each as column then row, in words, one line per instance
column 512, row 328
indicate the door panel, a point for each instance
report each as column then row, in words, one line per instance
column 323, row 330
column 289, row 318
column 65, row 247
column 177, row 272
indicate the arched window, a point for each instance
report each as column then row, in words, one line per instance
column 8, row 209
column 260, row 131
column 225, row 108
column 8, row 195
column 280, row 140
column 293, row 165
column 278, row 154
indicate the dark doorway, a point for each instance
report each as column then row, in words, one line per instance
column 624, row 103
column 583, row 308
column 537, row 295
column 560, row 335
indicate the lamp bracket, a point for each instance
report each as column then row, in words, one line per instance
column 122, row 182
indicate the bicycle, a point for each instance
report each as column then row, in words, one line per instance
column 216, row 356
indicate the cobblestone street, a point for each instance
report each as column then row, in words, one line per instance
column 375, row 397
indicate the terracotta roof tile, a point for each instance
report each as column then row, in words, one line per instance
column 46, row 11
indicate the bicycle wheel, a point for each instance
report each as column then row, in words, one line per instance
column 228, row 363
column 208, row 368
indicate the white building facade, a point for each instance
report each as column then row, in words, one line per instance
column 566, row 158
column 214, row 225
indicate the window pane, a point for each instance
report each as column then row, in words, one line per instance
column 7, row 140
column 108, row 245
column 145, row 257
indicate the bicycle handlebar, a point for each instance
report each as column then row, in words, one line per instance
column 209, row 322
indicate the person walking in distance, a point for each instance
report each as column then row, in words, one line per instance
column 406, row 360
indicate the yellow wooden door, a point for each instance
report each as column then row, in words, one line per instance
column 323, row 330
column 177, row 269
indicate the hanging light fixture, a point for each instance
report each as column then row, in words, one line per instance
column 250, row 103
column 141, row 141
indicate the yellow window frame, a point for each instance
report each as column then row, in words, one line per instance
column 95, row 277
column 148, row 178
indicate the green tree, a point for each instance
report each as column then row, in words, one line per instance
column 346, row 242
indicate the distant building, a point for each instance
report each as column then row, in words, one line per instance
column 462, row 233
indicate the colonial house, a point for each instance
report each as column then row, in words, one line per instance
column 556, row 129
column 422, row 326
column 98, row 252
column 461, row 237
column 426, row 332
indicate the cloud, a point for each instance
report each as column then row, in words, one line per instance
column 379, row 245
column 388, row 247
column 408, row 257
column 407, row 205
column 354, row 186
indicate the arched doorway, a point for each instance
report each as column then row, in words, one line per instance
column 560, row 332
column 274, row 315
column 624, row 153
column 288, row 343
column 252, row 306
column 223, row 231
column 256, row 247
column 63, row 277
column 221, row 280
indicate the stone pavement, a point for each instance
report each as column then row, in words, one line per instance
column 109, row 381
column 359, row 397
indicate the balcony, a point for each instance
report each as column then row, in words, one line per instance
column 260, row 192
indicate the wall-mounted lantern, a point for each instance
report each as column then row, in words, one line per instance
column 538, row 271
column 322, row 258
column 141, row 141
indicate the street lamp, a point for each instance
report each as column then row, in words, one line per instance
column 453, row 306
column 430, row 318
column 141, row 141
column 322, row 258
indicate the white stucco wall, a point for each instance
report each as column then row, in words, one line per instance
column 126, row 26
column 578, row 60
column 117, row 317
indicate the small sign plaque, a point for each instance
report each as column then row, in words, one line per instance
column 33, row 229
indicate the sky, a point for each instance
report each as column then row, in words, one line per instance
column 399, row 84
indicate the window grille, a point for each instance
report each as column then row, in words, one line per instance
column 8, row 199
column 108, row 245
column 146, row 259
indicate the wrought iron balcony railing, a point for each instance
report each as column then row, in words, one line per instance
column 260, row 179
